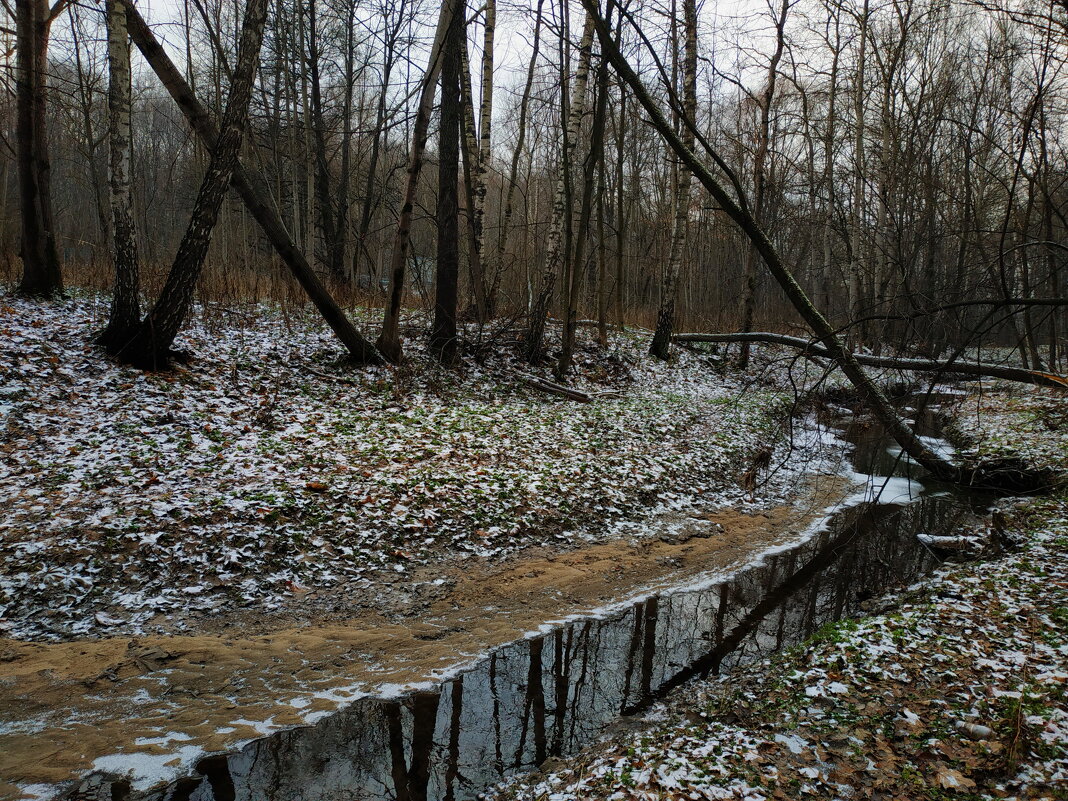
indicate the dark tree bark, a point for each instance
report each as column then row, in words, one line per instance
column 443, row 336
column 125, row 300
column 810, row 348
column 150, row 348
column 251, row 188
column 389, row 342
column 42, row 274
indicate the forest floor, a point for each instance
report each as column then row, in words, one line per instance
column 265, row 484
column 957, row 689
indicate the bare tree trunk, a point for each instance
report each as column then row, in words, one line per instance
column 389, row 343
column 327, row 196
column 578, row 270
column 150, row 348
column 367, row 210
column 621, row 209
column 443, row 342
column 85, row 101
column 665, row 320
column 472, row 176
column 877, row 400
column 856, row 221
column 760, row 177
column 506, row 218
column 485, row 129
column 42, row 274
column 125, row 300
column 560, row 213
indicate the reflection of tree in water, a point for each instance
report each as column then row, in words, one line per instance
column 552, row 694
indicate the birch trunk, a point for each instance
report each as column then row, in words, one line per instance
column 577, row 273
column 665, row 319
column 560, row 214
column 513, row 172
column 472, row 177
column 125, row 300
column 485, row 131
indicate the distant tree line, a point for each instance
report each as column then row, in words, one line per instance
column 906, row 159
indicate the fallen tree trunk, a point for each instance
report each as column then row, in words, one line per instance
column 552, row 388
column 250, row 187
column 813, row 348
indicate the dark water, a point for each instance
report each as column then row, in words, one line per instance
column 551, row 695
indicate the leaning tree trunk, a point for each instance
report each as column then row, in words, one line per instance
column 554, row 245
column 665, row 319
column 252, row 189
column 389, row 343
column 41, row 271
column 150, row 347
column 443, row 337
column 125, row 302
column 876, row 399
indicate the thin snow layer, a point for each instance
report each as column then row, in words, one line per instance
column 963, row 687
column 1015, row 423
column 136, row 502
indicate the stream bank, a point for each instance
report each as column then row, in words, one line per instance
column 955, row 689
column 564, row 686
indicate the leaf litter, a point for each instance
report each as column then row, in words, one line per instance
column 263, row 472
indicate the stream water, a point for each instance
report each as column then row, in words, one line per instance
column 552, row 694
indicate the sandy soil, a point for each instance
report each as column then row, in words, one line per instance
column 64, row 705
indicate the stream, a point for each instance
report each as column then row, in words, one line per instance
column 554, row 693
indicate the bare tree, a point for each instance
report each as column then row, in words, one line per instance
column 42, row 273
column 444, row 343
column 561, row 211
column 665, row 320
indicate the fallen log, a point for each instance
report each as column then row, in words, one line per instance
column 552, row 388
column 814, row 348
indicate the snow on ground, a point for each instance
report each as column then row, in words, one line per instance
column 264, row 468
column 957, row 690
column 1010, row 421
